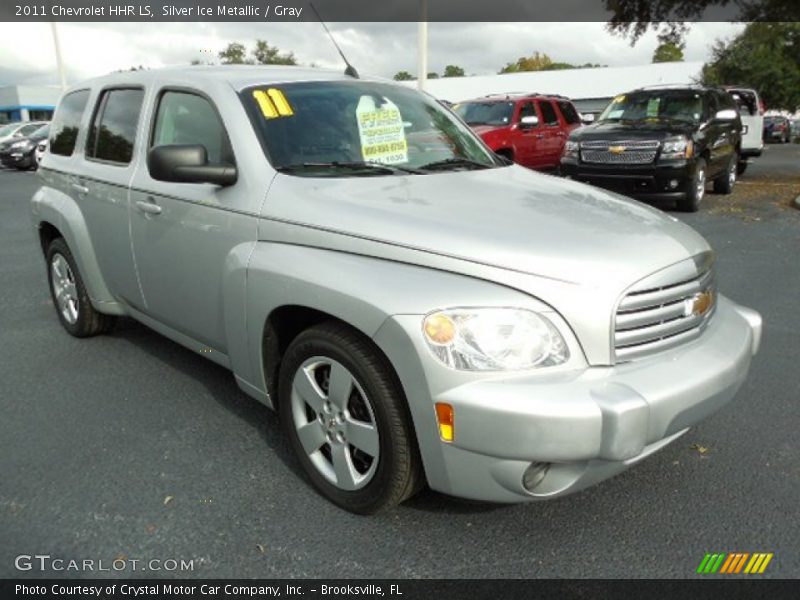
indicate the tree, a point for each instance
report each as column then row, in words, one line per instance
column 453, row 71
column 534, row 62
column 403, row 76
column 765, row 56
column 234, row 54
column 633, row 18
column 265, row 54
column 668, row 52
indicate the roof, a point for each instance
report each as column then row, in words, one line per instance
column 238, row 76
column 577, row 84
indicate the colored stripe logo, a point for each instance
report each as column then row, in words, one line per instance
column 735, row 563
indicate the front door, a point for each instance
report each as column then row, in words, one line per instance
column 185, row 234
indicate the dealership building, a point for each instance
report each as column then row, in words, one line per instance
column 590, row 89
column 28, row 102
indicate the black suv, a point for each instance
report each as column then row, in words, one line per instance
column 660, row 143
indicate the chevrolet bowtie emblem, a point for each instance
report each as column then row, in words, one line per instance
column 616, row 149
column 699, row 304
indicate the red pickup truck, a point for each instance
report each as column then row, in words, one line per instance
column 530, row 129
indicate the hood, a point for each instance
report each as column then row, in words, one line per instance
column 509, row 217
column 639, row 130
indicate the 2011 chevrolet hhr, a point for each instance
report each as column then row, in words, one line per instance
column 415, row 309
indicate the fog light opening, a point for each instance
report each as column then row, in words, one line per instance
column 534, row 475
column 673, row 184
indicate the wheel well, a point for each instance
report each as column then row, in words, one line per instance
column 47, row 233
column 283, row 325
column 506, row 152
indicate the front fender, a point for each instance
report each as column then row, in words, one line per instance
column 50, row 205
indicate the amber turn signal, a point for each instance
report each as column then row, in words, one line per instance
column 445, row 418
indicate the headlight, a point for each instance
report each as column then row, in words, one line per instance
column 22, row 145
column 571, row 149
column 493, row 339
column 678, row 147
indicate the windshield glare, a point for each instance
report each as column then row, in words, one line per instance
column 314, row 124
column 682, row 105
column 8, row 129
column 485, row 113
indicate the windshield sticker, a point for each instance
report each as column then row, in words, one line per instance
column 616, row 114
column 381, row 131
column 652, row 107
column 273, row 103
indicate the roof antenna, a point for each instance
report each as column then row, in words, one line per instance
column 350, row 70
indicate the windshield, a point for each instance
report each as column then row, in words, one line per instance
column 668, row 105
column 8, row 129
column 485, row 113
column 349, row 128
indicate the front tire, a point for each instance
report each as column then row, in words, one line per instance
column 725, row 183
column 346, row 418
column 74, row 309
column 695, row 189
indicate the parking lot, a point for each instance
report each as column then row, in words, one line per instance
column 130, row 446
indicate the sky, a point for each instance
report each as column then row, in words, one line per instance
column 379, row 49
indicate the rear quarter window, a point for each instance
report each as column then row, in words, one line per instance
column 568, row 112
column 66, row 123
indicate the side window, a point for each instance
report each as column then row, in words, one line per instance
column 548, row 113
column 527, row 110
column 113, row 129
column 67, row 121
column 28, row 129
column 568, row 112
column 186, row 118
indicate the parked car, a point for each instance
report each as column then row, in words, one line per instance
column 529, row 129
column 19, row 129
column 413, row 312
column 20, row 153
column 662, row 142
column 751, row 112
column 795, row 130
column 41, row 148
column 777, row 129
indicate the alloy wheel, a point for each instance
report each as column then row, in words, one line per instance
column 64, row 288
column 335, row 423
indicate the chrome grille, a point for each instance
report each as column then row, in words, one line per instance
column 628, row 152
column 656, row 319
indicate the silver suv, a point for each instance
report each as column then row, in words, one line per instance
column 414, row 308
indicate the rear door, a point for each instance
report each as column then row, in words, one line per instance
column 100, row 185
column 749, row 106
column 552, row 132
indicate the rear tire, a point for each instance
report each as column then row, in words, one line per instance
column 695, row 189
column 726, row 181
column 346, row 418
column 741, row 167
column 70, row 298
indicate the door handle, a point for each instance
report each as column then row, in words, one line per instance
column 539, row 136
column 149, row 208
column 80, row 188
column 561, row 134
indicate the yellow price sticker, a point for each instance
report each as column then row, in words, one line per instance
column 273, row 103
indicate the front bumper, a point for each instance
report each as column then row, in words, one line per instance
column 661, row 180
column 582, row 426
column 15, row 159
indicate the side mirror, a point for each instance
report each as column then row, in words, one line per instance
column 727, row 114
column 188, row 163
column 587, row 118
column 528, row 122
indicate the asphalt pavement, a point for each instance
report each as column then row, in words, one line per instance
column 130, row 446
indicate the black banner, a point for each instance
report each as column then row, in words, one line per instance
column 488, row 589
column 397, row 10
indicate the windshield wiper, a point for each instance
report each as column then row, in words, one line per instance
column 354, row 165
column 456, row 162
